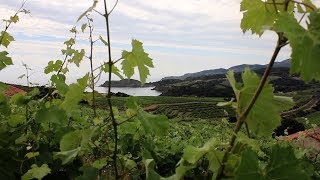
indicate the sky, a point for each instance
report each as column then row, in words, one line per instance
column 181, row 36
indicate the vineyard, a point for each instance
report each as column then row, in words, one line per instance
column 63, row 132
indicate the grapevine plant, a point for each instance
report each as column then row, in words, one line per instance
column 49, row 136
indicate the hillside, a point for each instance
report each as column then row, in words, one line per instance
column 238, row 68
column 217, row 85
column 125, row 83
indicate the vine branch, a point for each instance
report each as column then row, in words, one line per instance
column 110, row 63
column 244, row 115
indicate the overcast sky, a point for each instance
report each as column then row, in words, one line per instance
column 181, row 36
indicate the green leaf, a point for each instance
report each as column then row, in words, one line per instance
column 249, row 167
column 151, row 174
column 100, row 163
column 71, row 141
column 70, row 43
column 157, row 124
column 282, row 164
column 84, row 26
column 136, row 58
column 53, row 66
column 263, row 117
column 103, row 41
column 95, row 2
column 77, row 57
column 36, row 172
column 305, row 44
column 283, row 103
column 5, row 60
column 30, row 155
column 257, row 16
column 75, row 94
column 14, row 19
column 67, row 156
column 75, row 139
column 114, row 70
column 53, row 114
column 20, row 99
column 15, row 120
column 60, row 81
column 88, row 173
column 4, row 106
column 192, row 154
column 6, row 39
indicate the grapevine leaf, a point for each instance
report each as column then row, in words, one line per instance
column 20, row 99
column 282, row 164
column 283, row 103
column 6, row 39
column 83, row 27
column 305, row 44
column 30, row 155
column 150, row 172
column 103, row 41
column 75, row 139
column 77, row 57
column 5, row 60
column 100, row 163
column 15, row 120
column 53, row 66
column 136, row 58
column 70, row 141
column 60, row 81
column 257, row 16
column 52, row 114
column 114, row 70
column 95, row 2
column 69, row 51
column 88, row 173
column 75, row 94
column 249, row 167
column 14, row 19
column 67, row 156
column 4, row 106
column 263, row 117
column 215, row 158
column 36, row 172
column 192, row 154
column 70, row 43
column 157, row 124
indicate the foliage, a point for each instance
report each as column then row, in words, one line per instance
column 117, row 139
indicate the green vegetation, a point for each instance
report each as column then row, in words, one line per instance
column 76, row 135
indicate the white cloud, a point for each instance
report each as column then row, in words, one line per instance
column 200, row 34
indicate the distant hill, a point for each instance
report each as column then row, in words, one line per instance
column 125, row 83
column 238, row 68
column 217, row 85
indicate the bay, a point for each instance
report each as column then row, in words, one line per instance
column 139, row 91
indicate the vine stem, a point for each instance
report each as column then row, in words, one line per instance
column 91, row 68
column 244, row 115
column 114, row 123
